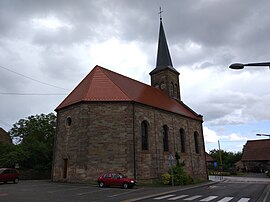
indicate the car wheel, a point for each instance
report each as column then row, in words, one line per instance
column 125, row 185
column 16, row 181
column 101, row 184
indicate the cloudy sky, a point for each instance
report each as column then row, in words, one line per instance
column 48, row 47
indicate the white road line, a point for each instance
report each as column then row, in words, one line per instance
column 244, row 199
column 89, row 192
column 209, row 198
column 127, row 192
column 177, row 197
column 226, row 199
column 193, row 197
column 163, row 197
column 70, row 189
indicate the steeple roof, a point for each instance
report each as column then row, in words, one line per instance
column 164, row 60
column 103, row 85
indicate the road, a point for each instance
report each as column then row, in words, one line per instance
column 221, row 192
column 232, row 190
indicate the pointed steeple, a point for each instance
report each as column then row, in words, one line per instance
column 164, row 60
column 164, row 76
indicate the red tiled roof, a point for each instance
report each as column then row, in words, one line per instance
column 209, row 158
column 256, row 150
column 104, row 85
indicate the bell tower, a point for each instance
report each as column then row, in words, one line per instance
column 164, row 76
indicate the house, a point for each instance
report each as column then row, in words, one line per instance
column 110, row 122
column 4, row 137
column 209, row 159
column 256, row 155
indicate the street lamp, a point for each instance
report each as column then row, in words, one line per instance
column 263, row 135
column 241, row 66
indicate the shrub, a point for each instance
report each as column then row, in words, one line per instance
column 166, row 178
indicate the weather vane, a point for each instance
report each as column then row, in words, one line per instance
column 160, row 11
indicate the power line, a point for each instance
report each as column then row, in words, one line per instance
column 32, row 78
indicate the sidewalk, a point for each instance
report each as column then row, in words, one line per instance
column 248, row 178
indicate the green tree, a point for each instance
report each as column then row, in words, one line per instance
column 34, row 136
column 228, row 158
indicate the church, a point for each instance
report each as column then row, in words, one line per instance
column 110, row 122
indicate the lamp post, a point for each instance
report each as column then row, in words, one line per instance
column 259, row 134
column 241, row 66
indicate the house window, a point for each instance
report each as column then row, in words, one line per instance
column 144, row 132
column 165, row 138
column 196, row 142
column 182, row 140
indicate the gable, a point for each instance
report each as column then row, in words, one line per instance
column 104, row 85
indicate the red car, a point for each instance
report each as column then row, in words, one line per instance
column 115, row 179
column 9, row 174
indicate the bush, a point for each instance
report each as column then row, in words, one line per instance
column 179, row 175
column 166, row 178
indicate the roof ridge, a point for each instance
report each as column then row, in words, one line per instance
column 102, row 69
column 124, row 76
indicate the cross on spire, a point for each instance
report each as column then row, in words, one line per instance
column 160, row 11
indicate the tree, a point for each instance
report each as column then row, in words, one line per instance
column 228, row 158
column 34, row 149
column 39, row 127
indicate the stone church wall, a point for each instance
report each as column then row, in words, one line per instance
column 98, row 140
column 97, row 137
column 152, row 163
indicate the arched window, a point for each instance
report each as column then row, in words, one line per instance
column 162, row 86
column 196, row 142
column 171, row 90
column 182, row 140
column 144, row 132
column 165, row 138
column 175, row 91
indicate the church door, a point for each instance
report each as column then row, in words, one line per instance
column 65, row 168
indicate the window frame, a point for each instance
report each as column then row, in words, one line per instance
column 165, row 133
column 144, row 135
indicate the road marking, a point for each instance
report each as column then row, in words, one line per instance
column 3, row 194
column 127, row 192
column 163, row 197
column 226, row 199
column 70, row 189
column 244, row 199
column 89, row 192
column 177, row 197
column 193, row 197
column 209, row 198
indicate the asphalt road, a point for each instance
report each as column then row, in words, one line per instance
column 45, row 190
column 221, row 192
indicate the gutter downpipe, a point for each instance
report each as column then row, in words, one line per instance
column 134, row 144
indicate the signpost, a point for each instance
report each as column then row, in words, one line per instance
column 171, row 159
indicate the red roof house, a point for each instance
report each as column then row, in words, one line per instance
column 256, row 155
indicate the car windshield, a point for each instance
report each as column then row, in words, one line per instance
column 1, row 170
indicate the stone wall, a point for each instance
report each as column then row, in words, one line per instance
column 152, row 163
column 97, row 137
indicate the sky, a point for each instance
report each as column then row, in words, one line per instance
column 48, row 47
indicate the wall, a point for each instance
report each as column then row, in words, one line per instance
column 100, row 139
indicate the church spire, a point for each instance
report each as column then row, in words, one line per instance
column 164, row 60
column 164, row 76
